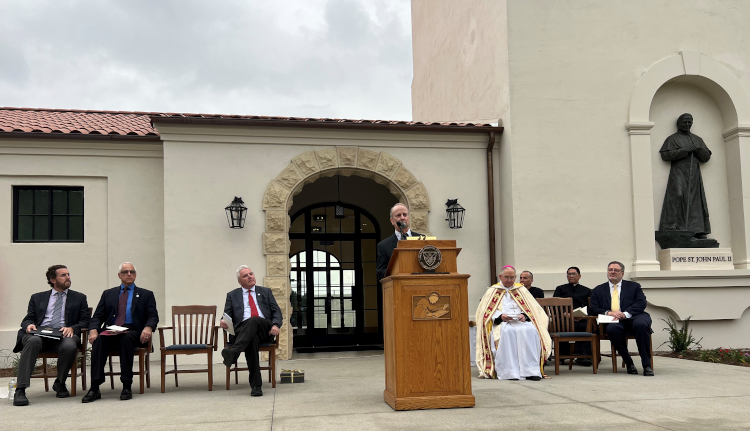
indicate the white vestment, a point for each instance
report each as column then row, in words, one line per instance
column 517, row 355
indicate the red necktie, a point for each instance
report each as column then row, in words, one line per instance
column 122, row 307
column 251, row 303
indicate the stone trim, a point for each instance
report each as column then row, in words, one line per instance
column 736, row 132
column 383, row 168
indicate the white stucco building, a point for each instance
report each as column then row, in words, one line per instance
column 581, row 95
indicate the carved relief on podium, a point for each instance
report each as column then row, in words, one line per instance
column 431, row 307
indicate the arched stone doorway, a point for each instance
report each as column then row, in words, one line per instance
column 381, row 167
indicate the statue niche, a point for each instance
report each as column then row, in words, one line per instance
column 684, row 219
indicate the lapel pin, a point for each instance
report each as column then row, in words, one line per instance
column 137, row 295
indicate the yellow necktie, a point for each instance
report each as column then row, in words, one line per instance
column 615, row 300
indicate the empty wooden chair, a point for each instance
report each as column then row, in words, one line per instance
column 194, row 331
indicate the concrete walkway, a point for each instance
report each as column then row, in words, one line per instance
column 345, row 391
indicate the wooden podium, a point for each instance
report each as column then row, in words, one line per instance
column 426, row 331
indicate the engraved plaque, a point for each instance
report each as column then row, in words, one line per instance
column 429, row 257
column 431, row 307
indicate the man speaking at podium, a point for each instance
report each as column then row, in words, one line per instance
column 400, row 221
column 512, row 341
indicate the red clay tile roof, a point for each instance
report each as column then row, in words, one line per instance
column 315, row 120
column 114, row 124
column 71, row 121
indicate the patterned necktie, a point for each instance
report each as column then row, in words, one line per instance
column 57, row 311
column 251, row 303
column 615, row 300
column 122, row 307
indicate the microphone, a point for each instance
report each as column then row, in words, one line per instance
column 401, row 227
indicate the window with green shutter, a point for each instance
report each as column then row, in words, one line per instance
column 47, row 214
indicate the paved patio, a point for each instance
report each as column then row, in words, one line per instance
column 345, row 391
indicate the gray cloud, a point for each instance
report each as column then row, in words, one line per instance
column 334, row 58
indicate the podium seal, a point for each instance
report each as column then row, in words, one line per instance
column 429, row 257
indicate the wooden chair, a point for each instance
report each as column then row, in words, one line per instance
column 562, row 330
column 194, row 331
column 264, row 347
column 613, row 353
column 80, row 357
column 144, row 370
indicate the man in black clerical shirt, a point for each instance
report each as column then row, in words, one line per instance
column 526, row 279
column 580, row 295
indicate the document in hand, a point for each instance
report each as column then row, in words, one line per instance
column 603, row 318
column 114, row 330
column 53, row 333
column 228, row 321
column 580, row 312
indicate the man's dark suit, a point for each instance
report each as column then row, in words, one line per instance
column 77, row 317
column 143, row 312
column 251, row 333
column 385, row 251
column 536, row 292
column 633, row 301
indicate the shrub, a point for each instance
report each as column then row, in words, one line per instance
column 680, row 339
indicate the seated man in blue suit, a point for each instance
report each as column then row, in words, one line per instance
column 256, row 318
column 625, row 301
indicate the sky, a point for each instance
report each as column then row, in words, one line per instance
column 302, row 58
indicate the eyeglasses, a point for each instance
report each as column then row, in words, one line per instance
column 127, row 271
column 614, row 270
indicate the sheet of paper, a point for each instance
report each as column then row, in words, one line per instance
column 603, row 318
column 228, row 321
column 116, row 328
column 580, row 312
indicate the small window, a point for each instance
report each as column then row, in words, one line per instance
column 47, row 214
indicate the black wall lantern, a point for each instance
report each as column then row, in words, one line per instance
column 236, row 212
column 455, row 213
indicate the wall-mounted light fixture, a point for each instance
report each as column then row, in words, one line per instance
column 455, row 213
column 236, row 212
column 319, row 217
column 339, row 210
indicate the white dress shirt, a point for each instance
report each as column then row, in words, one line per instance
column 51, row 308
column 408, row 233
column 619, row 295
column 248, row 312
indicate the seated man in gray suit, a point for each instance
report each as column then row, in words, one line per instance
column 256, row 318
column 60, row 308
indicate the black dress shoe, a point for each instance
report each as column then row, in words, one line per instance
column 91, row 396
column 632, row 369
column 19, row 397
column 648, row 371
column 586, row 362
column 62, row 391
column 256, row 392
column 534, row 378
column 228, row 357
column 126, row 394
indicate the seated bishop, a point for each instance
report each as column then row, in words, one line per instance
column 513, row 341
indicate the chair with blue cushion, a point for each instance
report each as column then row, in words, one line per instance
column 562, row 330
column 270, row 348
column 194, row 331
